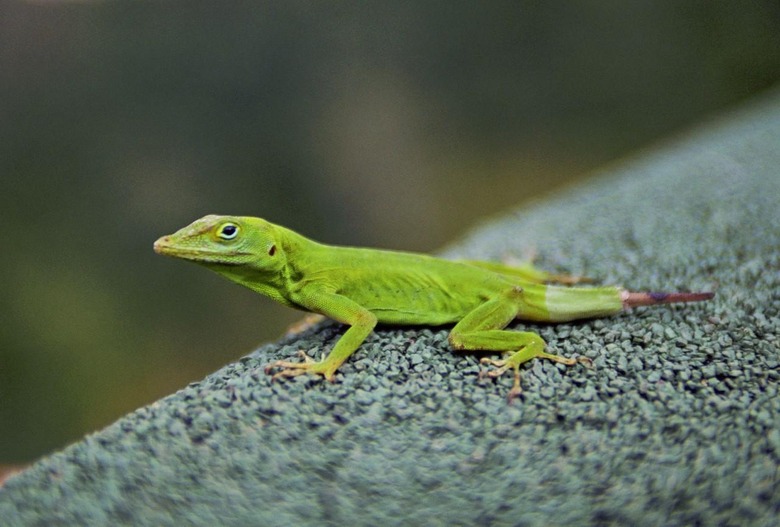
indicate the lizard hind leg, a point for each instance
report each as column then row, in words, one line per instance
column 482, row 329
column 526, row 270
column 532, row 349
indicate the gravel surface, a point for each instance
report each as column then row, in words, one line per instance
column 676, row 422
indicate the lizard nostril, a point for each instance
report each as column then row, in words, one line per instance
column 161, row 243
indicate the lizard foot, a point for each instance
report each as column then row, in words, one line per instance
column 502, row 366
column 294, row 369
column 514, row 362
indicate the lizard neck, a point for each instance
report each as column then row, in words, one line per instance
column 280, row 282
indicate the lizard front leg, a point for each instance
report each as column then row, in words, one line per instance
column 482, row 329
column 342, row 309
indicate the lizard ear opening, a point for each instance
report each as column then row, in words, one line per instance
column 272, row 250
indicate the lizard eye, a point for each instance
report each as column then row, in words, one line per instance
column 228, row 231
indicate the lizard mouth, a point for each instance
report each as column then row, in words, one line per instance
column 164, row 247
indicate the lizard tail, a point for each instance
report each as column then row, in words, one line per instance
column 561, row 304
column 649, row 299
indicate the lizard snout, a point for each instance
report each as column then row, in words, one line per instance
column 161, row 244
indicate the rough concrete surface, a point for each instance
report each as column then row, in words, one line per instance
column 676, row 423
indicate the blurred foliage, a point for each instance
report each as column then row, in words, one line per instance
column 394, row 124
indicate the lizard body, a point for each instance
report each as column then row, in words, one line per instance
column 362, row 287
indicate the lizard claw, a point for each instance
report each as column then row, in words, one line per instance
column 586, row 361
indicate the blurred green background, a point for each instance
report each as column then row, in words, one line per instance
column 394, row 124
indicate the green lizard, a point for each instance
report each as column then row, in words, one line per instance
column 362, row 287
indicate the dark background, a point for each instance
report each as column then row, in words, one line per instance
column 394, row 124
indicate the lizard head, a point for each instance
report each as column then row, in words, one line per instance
column 222, row 242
